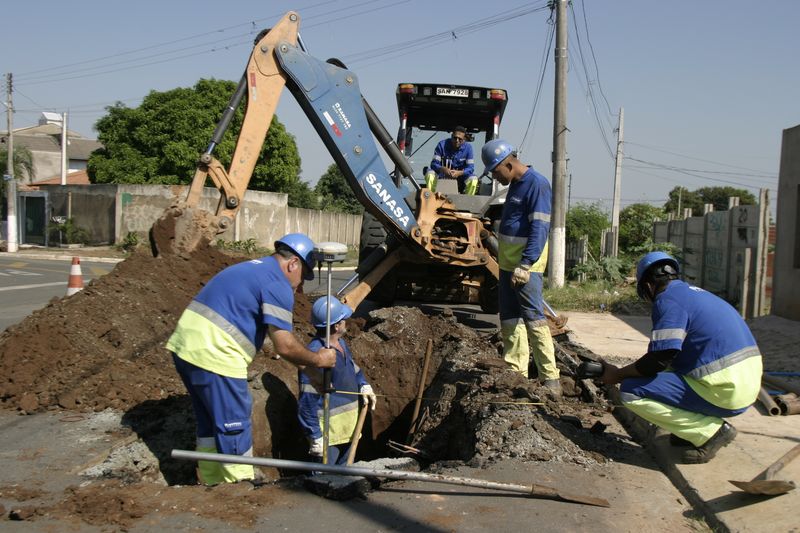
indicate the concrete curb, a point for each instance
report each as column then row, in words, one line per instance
column 60, row 257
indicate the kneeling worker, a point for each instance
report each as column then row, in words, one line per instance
column 346, row 376
column 702, row 363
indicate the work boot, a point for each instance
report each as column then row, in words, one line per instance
column 678, row 442
column 707, row 451
column 553, row 385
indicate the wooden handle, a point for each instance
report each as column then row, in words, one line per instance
column 773, row 469
column 351, row 455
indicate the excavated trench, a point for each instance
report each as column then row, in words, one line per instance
column 102, row 352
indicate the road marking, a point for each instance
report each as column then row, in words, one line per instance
column 19, row 287
column 11, row 271
column 99, row 271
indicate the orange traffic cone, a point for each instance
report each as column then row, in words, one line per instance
column 75, row 283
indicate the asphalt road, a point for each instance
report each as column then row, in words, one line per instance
column 29, row 284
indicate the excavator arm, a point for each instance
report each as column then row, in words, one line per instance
column 329, row 94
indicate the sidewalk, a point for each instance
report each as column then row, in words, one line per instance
column 95, row 254
column 761, row 441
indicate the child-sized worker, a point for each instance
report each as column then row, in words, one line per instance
column 346, row 376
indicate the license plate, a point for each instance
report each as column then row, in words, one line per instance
column 447, row 91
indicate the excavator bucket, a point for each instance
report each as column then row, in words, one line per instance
column 182, row 231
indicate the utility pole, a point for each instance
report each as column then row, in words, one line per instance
column 556, row 258
column 617, row 182
column 11, row 184
column 64, row 143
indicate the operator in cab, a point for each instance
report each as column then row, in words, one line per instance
column 702, row 363
column 453, row 159
column 219, row 334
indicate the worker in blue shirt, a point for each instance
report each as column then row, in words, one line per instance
column 221, row 331
column 346, row 376
column 453, row 159
column 702, row 363
column 522, row 258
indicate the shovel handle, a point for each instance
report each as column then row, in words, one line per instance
column 351, row 455
column 773, row 469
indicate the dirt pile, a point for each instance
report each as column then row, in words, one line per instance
column 104, row 346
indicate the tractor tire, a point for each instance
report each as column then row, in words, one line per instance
column 488, row 297
column 373, row 234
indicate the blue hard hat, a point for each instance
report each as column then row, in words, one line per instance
column 649, row 261
column 303, row 247
column 494, row 152
column 339, row 311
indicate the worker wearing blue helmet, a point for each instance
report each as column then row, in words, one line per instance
column 219, row 334
column 702, row 363
column 346, row 377
column 522, row 258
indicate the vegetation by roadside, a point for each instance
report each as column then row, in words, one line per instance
column 597, row 297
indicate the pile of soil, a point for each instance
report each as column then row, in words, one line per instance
column 103, row 350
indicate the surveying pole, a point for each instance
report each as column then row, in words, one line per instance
column 556, row 258
column 328, row 252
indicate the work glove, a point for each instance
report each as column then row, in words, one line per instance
column 520, row 277
column 316, row 447
column 368, row 396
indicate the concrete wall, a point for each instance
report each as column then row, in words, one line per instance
column 91, row 206
column 110, row 212
column 786, row 275
column 724, row 252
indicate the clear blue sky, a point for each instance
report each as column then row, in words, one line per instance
column 707, row 87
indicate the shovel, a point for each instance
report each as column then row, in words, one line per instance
column 765, row 484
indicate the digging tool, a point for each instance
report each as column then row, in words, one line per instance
column 559, row 321
column 533, row 491
column 412, row 428
column 328, row 252
column 764, row 483
column 351, row 455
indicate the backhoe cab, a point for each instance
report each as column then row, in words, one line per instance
column 428, row 113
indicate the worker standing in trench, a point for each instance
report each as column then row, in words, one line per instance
column 345, row 377
column 221, row 331
column 522, row 257
column 702, row 363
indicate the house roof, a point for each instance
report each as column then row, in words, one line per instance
column 79, row 177
column 78, row 148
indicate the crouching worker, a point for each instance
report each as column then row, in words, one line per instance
column 221, row 331
column 346, row 376
column 702, row 363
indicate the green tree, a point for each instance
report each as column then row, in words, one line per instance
column 23, row 166
column 706, row 195
column 159, row 141
column 636, row 226
column 336, row 194
column 587, row 219
column 23, row 161
column 683, row 198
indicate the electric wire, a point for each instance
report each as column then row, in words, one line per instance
column 589, row 90
column 549, row 36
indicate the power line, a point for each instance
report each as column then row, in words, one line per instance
column 759, row 172
column 542, row 69
column 113, row 66
column 687, row 172
column 589, row 90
